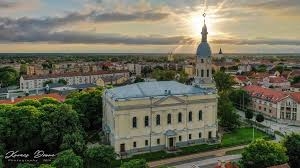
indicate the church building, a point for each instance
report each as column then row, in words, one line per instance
column 163, row 115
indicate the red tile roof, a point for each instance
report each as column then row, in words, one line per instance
column 265, row 93
column 296, row 96
column 277, row 79
column 37, row 97
column 242, row 78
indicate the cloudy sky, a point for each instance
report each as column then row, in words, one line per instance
column 149, row 26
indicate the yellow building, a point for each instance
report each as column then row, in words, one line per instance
column 153, row 116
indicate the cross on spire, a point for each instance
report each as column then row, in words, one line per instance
column 204, row 15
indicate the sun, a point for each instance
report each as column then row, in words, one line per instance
column 196, row 22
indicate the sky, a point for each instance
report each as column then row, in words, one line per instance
column 149, row 26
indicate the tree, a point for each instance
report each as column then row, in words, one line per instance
column 26, row 165
column 8, row 76
column 1, row 155
column 67, row 159
column 59, row 124
column 163, row 75
column 29, row 102
column 146, row 71
column 296, row 80
column 46, row 166
column 20, row 127
column 224, row 82
column 259, row 118
column 249, row 114
column 99, row 156
column 228, row 117
column 88, row 105
column 240, row 98
column 292, row 143
column 261, row 154
column 23, row 69
column 73, row 141
column 48, row 100
column 62, row 81
column 135, row 163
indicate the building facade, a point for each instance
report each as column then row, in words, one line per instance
column 152, row 116
column 282, row 106
column 37, row 81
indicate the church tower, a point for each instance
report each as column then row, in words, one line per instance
column 203, row 67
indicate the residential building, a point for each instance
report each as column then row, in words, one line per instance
column 276, row 82
column 279, row 105
column 73, row 78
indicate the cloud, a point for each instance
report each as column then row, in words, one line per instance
column 7, row 4
column 258, row 41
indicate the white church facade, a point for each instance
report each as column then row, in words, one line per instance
column 163, row 115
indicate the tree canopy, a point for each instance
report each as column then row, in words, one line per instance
column 8, row 76
column 99, row 156
column 261, row 154
column 67, row 159
column 292, row 143
column 224, row 82
column 135, row 163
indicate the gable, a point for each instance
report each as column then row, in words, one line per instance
column 169, row 100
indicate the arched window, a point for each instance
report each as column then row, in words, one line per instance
column 200, row 115
column 202, row 61
column 202, row 73
column 157, row 119
column 134, row 122
column 179, row 117
column 146, row 121
column 169, row 119
column 190, row 116
column 207, row 73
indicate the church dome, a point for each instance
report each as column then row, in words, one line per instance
column 203, row 50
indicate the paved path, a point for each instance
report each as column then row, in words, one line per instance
column 193, row 157
column 209, row 163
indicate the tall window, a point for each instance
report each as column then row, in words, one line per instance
column 207, row 73
column 179, row 117
column 190, row 116
column 157, row 119
column 134, row 144
column 200, row 115
column 146, row 121
column 200, row 135
column 202, row 73
column 190, row 136
column 169, row 119
column 146, row 142
column 134, row 122
column 202, row 61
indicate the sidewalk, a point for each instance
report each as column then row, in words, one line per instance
column 220, row 152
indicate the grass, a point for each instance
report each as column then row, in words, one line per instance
column 240, row 136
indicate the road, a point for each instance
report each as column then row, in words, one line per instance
column 209, row 163
column 194, row 158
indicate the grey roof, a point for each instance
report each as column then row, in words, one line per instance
column 156, row 88
column 169, row 133
column 203, row 50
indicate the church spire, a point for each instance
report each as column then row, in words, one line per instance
column 220, row 52
column 204, row 30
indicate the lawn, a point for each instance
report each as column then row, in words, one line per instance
column 242, row 136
